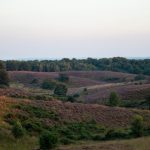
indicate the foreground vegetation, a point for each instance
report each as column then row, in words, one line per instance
column 132, row 144
column 8, row 142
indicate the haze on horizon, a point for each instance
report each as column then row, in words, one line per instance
column 74, row 28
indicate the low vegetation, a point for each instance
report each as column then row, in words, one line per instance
column 44, row 108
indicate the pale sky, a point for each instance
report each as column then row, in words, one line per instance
column 74, row 28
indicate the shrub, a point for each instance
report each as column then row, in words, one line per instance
column 48, row 140
column 32, row 125
column 148, row 101
column 137, row 126
column 66, row 141
column 35, row 81
column 60, row 90
column 118, row 134
column 4, row 80
column 139, row 77
column 63, row 77
column 114, row 99
column 71, row 99
column 41, row 97
column 38, row 111
column 99, row 137
column 17, row 130
column 76, row 95
column 48, row 84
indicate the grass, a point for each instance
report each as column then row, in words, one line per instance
column 8, row 142
column 132, row 144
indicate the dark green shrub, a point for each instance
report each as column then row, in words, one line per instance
column 48, row 84
column 42, row 97
column 112, row 79
column 71, row 99
column 99, row 137
column 114, row 99
column 139, row 77
column 37, row 111
column 4, row 79
column 60, row 90
column 117, row 134
column 63, row 77
column 66, row 141
column 137, row 126
column 35, row 81
column 68, row 133
column 32, row 125
column 85, row 89
column 76, row 95
column 48, row 140
column 17, row 130
column 148, row 101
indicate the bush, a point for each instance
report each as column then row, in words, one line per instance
column 76, row 95
column 148, row 101
column 63, row 77
column 114, row 99
column 71, row 99
column 117, row 134
column 41, row 97
column 60, row 90
column 17, row 130
column 139, row 77
column 137, row 126
column 32, row 125
column 4, row 80
column 66, row 141
column 35, row 81
column 48, row 140
column 38, row 111
column 48, row 84
column 99, row 137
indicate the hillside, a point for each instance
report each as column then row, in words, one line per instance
column 73, row 112
column 98, row 83
column 85, row 118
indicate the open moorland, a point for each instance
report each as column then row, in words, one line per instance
column 75, row 108
column 99, row 84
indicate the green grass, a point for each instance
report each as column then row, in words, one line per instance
column 132, row 144
column 8, row 142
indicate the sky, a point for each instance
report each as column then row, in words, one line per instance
column 38, row 29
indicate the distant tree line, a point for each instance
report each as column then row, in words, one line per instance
column 118, row 64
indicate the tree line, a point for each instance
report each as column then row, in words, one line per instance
column 118, row 64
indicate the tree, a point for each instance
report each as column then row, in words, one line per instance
column 114, row 99
column 48, row 140
column 137, row 126
column 17, row 130
column 60, row 90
